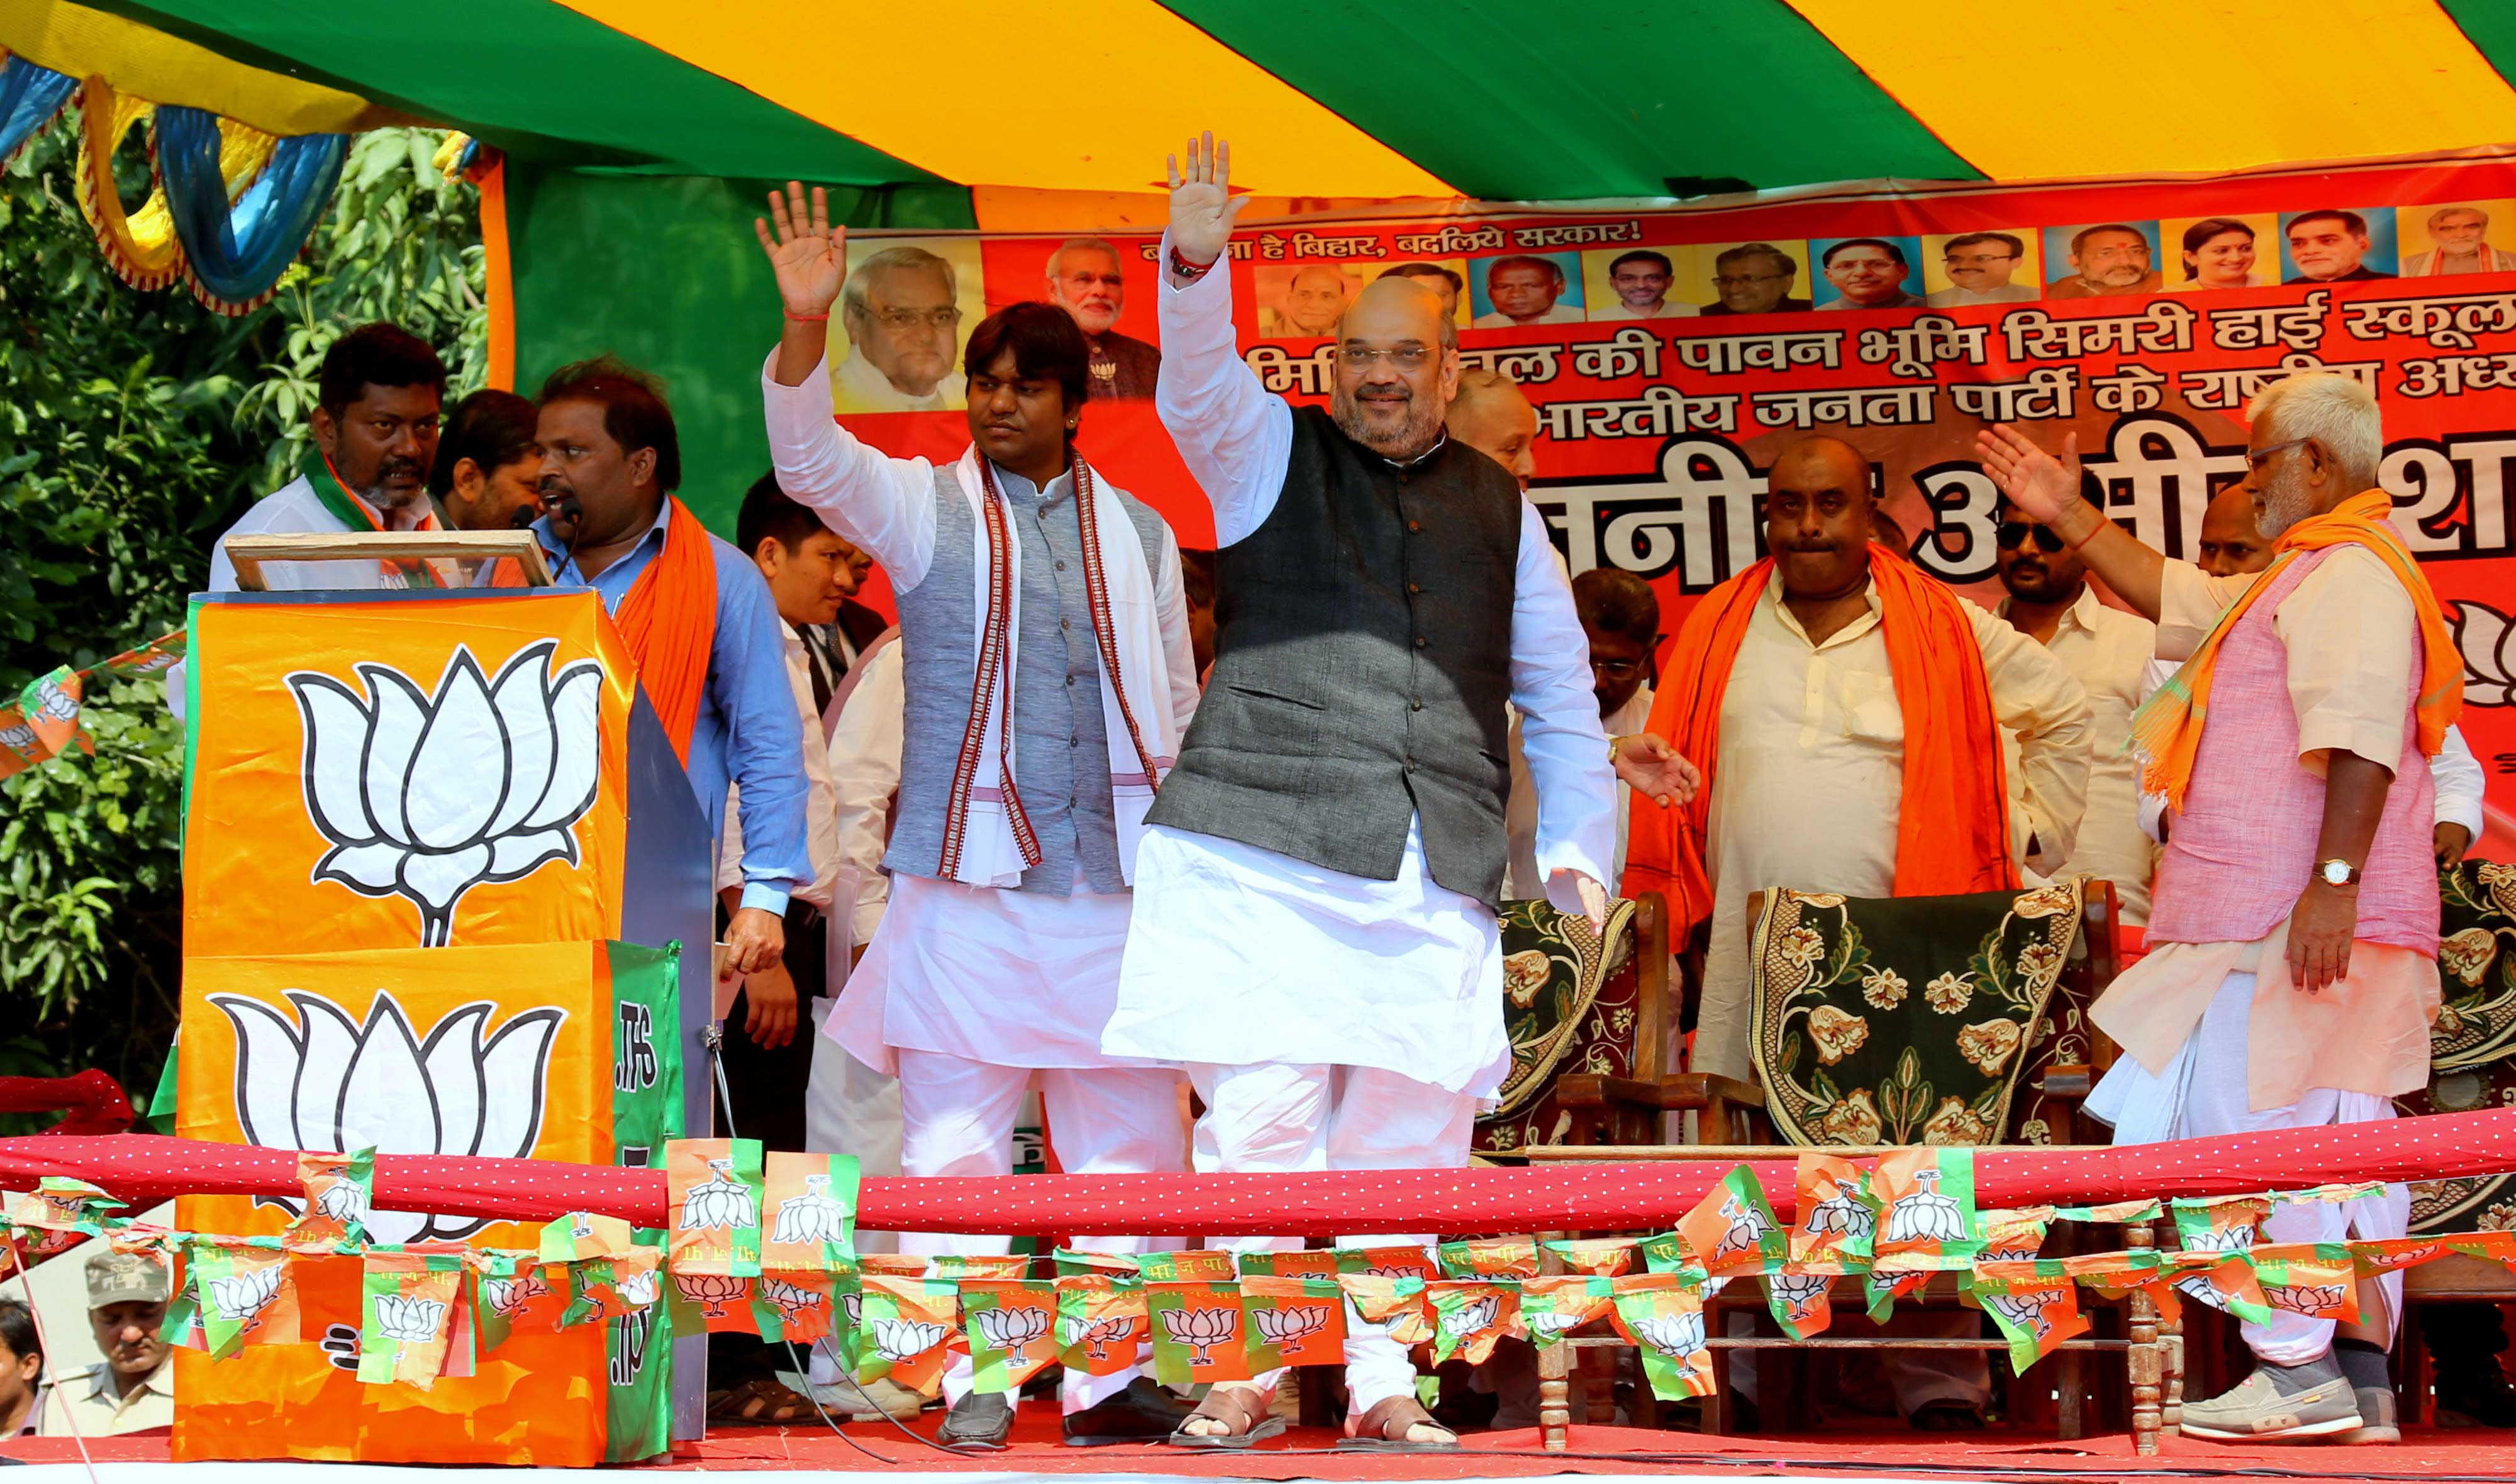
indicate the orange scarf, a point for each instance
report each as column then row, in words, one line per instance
column 2168, row 728
column 1953, row 822
column 668, row 622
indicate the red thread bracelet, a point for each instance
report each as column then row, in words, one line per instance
column 2102, row 524
column 807, row 319
column 1187, row 269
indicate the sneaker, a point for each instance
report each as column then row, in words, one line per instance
column 869, row 1401
column 2255, row 1411
column 2376, row 1420
column 980, row 1420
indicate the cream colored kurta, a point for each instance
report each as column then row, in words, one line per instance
column 2106, row 650
column 2353, row 639
column 1805, row 792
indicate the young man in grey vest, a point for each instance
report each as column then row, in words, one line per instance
column 1315, row 930
column 1048, row 679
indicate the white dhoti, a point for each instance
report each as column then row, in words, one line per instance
column 1329, row 1022
column 2201, row 1092
column 973, row 995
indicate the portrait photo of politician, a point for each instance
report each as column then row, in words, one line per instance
column 1754, row 277
column 2106, row 259
column 1526, row 289
column 1634, row 284
column 903, row 309
column 2219, row 253
column 2331, row 245
column 2458, row 238
column 1867, row 272
column 1979, row 268
column 1450, row 282
column 1302, row 301
column 1088, row 280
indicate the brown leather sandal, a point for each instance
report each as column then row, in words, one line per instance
column 1240, row 1408
column 760, row 1402
column 1384, row 1429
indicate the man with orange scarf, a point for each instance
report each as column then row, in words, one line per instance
column 2291, row 972
column 1846, row 713
column 698, row 617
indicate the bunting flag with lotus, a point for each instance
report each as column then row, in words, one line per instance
column 1101, row 1323
column 1662, row 1314
column 1733, row 1229
column 244, row 1294
column 1837, row 1223
column 1303, row 1263
column 340, row 1196
column 809, row 1212
column 1470, row 1315
column 2319, row 1280
column 908, row 1324
column 1292, row 1320
column 1604, row 1256
column 2035, row 1302
column 714, row 1206
column 1554, row 1307
column 1197, row 1330
column 1489, row 1257
column 1011, row 1325
column 407, row 1328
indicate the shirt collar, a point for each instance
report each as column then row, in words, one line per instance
column 1772, row 595
column 1441, row 440
column 2082, row 614
column 548, row 536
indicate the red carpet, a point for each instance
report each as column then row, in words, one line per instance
column 1307, row 1453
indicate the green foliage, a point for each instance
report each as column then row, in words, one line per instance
column 133, row 429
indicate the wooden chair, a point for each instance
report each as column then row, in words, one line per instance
column 1732, row 1124
column 1591, row 1073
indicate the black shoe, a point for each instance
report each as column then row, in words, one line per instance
column 980, row 1420
column 1143, row 1412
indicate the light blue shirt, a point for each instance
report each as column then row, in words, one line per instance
column 747, row 731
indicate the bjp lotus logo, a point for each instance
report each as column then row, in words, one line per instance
column 1010, row 1329
column 1677, row 1336
column 412, row 1321
column 427, row 796
column 1201, row 1330
column 246, row 1295
column 326, row 1082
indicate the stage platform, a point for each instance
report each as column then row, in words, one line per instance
column 1881, row 1456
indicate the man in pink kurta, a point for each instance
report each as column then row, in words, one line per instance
column 2291, row 972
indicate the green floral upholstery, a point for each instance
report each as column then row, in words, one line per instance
column 2472, row 1046
column 1567, row 1009
column 1906, row 1020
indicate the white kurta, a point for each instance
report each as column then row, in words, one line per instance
column 1520, row 813
column 1245, row 956
column 1812, row 766
column 2106, row 650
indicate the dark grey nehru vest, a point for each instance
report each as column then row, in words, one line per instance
column 1363, row 664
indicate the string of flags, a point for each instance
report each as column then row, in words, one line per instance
column 45, row 719
column 766, row 1245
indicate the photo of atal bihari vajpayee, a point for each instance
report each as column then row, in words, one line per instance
column 2106, row 259
column 1980, row 267
column 2331, row 245
column 1633, row 284
column 1868, row 272
column 1088, row 280
column 903, row 310
column 1526, row 289
column 2459, row 238
column 1301, row 301
column 1754, row 277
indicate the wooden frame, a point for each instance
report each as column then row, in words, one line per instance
column 249, row 553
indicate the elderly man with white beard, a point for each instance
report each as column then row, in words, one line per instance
column 2291, row 972
column 1315, row 937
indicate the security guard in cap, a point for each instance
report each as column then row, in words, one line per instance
column 134, row 1390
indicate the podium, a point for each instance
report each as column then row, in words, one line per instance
column 436, row 847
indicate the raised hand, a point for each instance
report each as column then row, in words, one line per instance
column 807, row 255
column 1203, row 206
column 2035, row 481
column 1647, row 761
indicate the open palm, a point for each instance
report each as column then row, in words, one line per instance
column 1203, row 206
column 806, row 253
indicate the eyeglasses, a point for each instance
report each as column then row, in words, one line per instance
column 909, row 319
column 2255, row 458
column 1405, row 357
column 2014, row 533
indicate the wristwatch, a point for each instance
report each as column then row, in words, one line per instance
column 2336, row 872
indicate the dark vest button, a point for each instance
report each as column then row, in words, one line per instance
column 1414, row 525
column 1419, row 642
column 1412, row 589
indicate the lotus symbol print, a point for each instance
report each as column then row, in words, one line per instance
column 2237, row 1236
column 52, row 701
column 2488, row 640
column 793, row 1300
column 413, row 1321
column 1674, row 1335
column 245, row 1295
column 1290, row 1323
column 1841, row 1215
column 327, row 1082
column 812, row 1217
column 722, row 1203
column 1747, row 1228
column 1549, row 1321
column 1201, row 1329
column 345, row 1200
column 1096, row 1336
column 852, row 1304
column 712, row 1291
column 2026, row 1311
column 1471, row 1317
column 638, row 1289
column 507, row 1296
column 426, row 797
column 2303, row 1300
column 1010, row 1329
column 906, row 1338
column 1797, row 1293
column 1925, row 1215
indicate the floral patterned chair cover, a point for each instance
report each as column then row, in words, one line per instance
column 1909, row 1020
column 1568, row 1006
column 2472, row 1046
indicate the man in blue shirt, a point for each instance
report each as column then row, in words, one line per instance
column 698, row 620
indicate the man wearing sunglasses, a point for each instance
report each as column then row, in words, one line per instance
column 2292, row 969
column 2106, row 650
